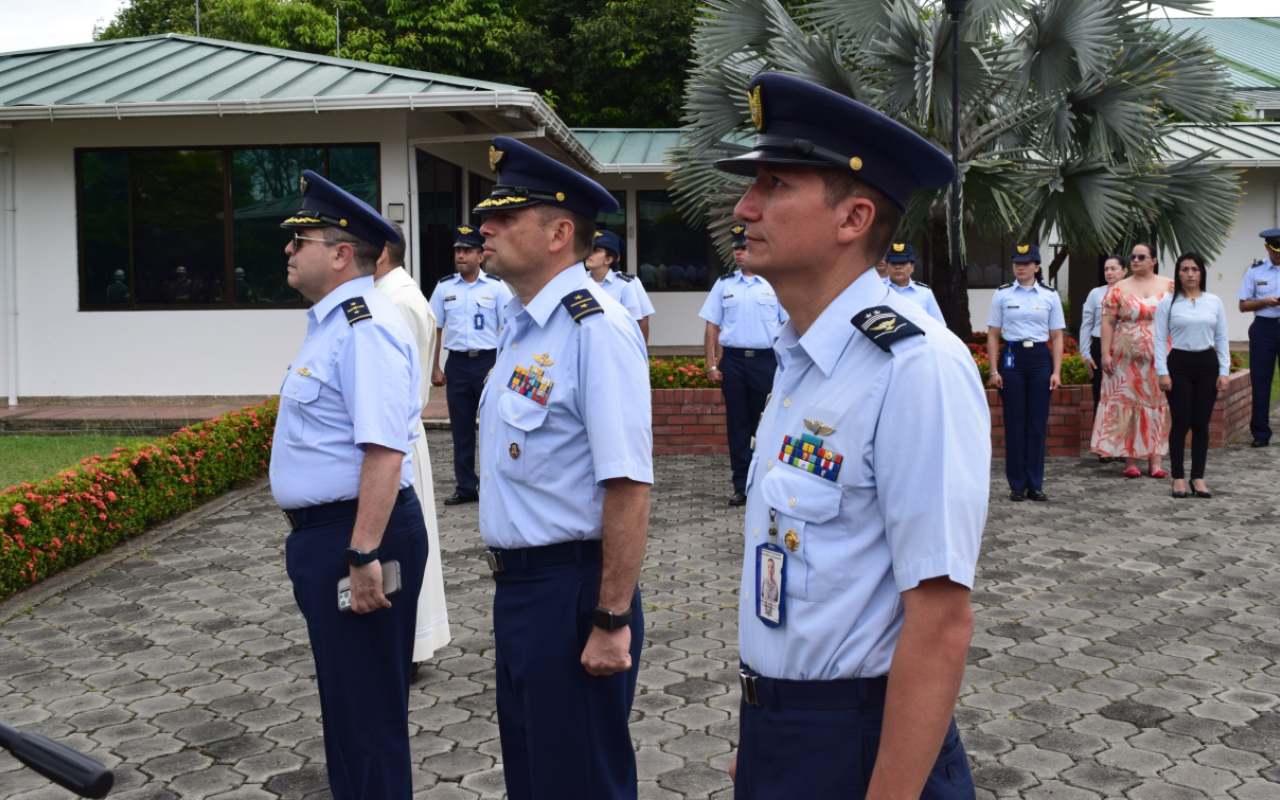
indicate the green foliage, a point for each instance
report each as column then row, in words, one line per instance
column 606, row 62
column 679, row 373
column 52, row 525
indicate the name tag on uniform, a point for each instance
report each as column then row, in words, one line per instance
column 451, row 298
column 1260, row 283
column 771, row 584
column 1012, row 307
column 728, row 297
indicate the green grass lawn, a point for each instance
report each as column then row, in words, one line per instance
column 27, row 459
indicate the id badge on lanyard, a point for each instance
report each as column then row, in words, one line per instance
column 771, row 578
column 1008, row 359
column 479, row 321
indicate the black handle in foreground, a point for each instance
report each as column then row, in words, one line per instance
column 58, row 763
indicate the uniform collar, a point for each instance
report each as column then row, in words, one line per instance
column 827, row 338
column 609, row 277
column 910, row 285
column 548, row 300
column 457, row 278
column 753, row 279
column 352, row 288
column 1034, row 287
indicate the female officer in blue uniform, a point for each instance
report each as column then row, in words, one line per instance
column 1027, row 369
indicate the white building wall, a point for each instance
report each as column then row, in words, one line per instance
column 65, row 352
column 1259, row 210
column 5, row 235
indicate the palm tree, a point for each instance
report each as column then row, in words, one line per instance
column 1064, row 110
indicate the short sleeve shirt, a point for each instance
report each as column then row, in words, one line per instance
column 746, row 310
column 1026, row 313
column 470, row 314
column 1259, row 283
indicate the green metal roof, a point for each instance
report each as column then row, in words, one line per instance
column 1247, row 45
column 639, row 147
column 1240, row 144
column 176, row 69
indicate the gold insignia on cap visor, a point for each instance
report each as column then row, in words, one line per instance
column 465, row 231
column 756, row 102
column 1023, row 249
column 495, row 155
column 898, row 248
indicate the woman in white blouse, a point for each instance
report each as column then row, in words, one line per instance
column 1193, row 362
column 1113, row 271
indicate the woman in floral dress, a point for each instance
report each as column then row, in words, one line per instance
column 1133, row 420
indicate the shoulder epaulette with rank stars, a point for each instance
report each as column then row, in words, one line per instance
column 625, row 277
column 1045, row 285
column 1006, row 286
column 356, row 310
column 883, row 326
column 581, row 304
column 725, row 277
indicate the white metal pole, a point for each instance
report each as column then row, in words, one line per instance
column 10, row 259
column 411, row 216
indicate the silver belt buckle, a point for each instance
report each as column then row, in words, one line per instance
column 748, row 683
column 494, row 559
column 473, row 354
column 749, row 353
column 1026, row 343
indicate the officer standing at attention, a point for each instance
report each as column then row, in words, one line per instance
column 432, row 629
column 902, row 264
column 602, row 264
column 861, row 663
column 1027, row 370
column 567, row 453
column 1260, row 293
column 468, row 307
column 350, row 412
column 743, row 317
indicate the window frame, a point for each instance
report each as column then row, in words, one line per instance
column 228, row 224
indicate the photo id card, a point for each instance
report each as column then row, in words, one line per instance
column 771, row 584
column 479, row 322
column 1008, row 360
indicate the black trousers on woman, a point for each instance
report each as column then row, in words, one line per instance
column 1195, row 390
column 1095, row 352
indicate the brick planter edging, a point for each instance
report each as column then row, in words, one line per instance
column 1071, row 418
column 689, row 422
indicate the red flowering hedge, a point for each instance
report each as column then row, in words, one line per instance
column 53, row 525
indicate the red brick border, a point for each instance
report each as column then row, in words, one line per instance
column 689, row 422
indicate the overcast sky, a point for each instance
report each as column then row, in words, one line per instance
column 28, row 24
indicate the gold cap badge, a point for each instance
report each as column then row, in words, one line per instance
column 495, row 155
column 757, row 107
column 855, row 163
column 599, row 234
column 737, row 229
column 302, row 183
column 560, row 196
column 1023, row 249
column 464, row 230
column 898, row 248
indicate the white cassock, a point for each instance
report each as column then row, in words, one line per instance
column 432, row 629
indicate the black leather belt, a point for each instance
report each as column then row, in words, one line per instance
column 552, row 555
column 330, row 512
column 472, row 353
column 758, row 690
column 1027, row 343
column 739, row 352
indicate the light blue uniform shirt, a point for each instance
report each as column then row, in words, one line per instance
column 544, row 466
column 624, row 290
column 353, row 384
column 879, row 530
column 747, row 311
column 1091, row 318
column 1260, row 283
column 1026, row 314
column 646, row 305
column 921, row 294
column 470, row 313
column 1197, row 327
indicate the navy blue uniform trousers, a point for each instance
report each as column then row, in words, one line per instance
column 462, row 391
column 1264, row 348
column 790, row 754
column 1025, row 400
column 746, row 385
column 363, row 661
column 564, row 732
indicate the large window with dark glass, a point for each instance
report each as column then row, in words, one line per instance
column 673, row 255
column 200, row 227
column 439, row 213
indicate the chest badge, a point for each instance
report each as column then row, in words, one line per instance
column 303, row 371
column 791, row 540
column 818, row 428
column 808, row 454
column 530, row 382
column 543, row 359
column 514, row 450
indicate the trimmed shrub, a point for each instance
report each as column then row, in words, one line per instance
column 53, row 525
column 679, row 373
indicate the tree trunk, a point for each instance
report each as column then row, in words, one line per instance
column 956, row 313
column 1058, row 260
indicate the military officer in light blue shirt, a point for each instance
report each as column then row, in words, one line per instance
column 567, row 458
column 468, row 306
column 1260, row 294
column 850, row 682
column 743, row 317
column 603, row 266
column 341, row 468
column 902, row 264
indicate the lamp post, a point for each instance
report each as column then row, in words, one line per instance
column 956, row 9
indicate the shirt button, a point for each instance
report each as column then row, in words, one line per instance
column 786, row 403
column 491, row 431
column 517, row 415
column 792, row 502
column 768, row 465
column 515, row 345
column 486, row 473
column 295, row 391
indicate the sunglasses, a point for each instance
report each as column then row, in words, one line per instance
column 1138, row 257
column 298, row 240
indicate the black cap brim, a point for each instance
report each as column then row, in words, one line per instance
column 745, row 164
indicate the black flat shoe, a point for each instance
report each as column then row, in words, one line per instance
column 1260, row 443
column 738, row 499
column 1037, row 495
column 1182, row 495
column 1018, row 495
column 456, row 499
column 1205, row 495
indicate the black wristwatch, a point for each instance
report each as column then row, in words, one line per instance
column 609, row 621
column 355, row 558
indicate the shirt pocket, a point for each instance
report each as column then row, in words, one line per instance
column 729, row 304
column 768, row 305
column 522, row 456
column 803, row 502
column 298, row 396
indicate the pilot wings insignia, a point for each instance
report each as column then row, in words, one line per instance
column 544, row 359
column 818, row 428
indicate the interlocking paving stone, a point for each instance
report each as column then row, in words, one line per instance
column 1127, row 645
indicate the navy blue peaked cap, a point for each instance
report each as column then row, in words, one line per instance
column 1273, row 238
column 803, row 123
column 610, row 241
column 467, row 236
column 1026, row 254
column 326, row 205
column 739, row 234
column 901, row 254
column 527, row 177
